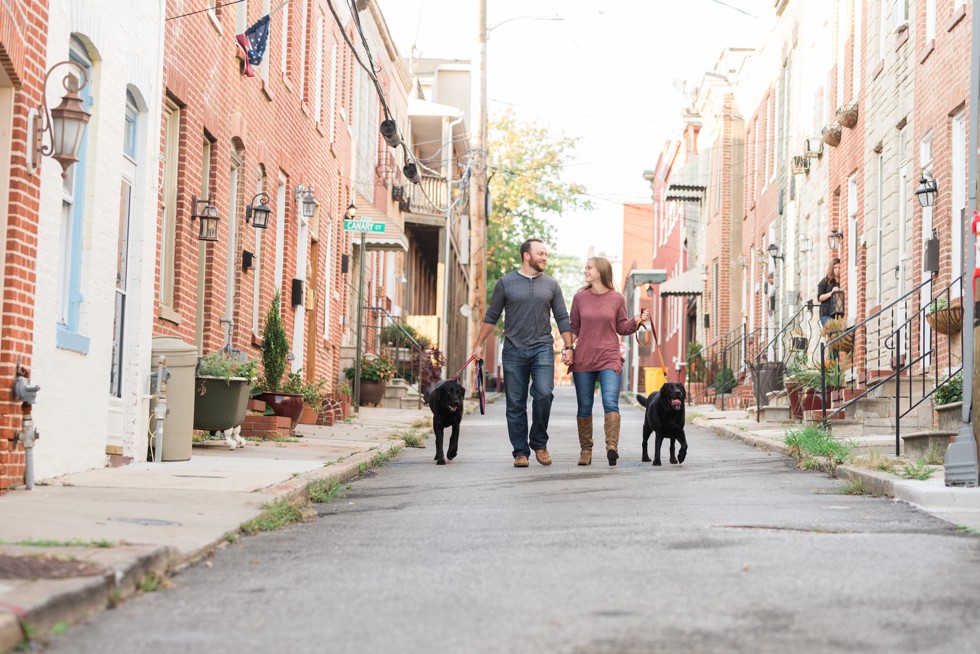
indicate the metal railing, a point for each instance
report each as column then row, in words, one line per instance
column 712, row 362
column 776, row 350
column 396, row 341
column 910, row 347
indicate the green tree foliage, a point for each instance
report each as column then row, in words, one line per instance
column 526, row 181
column 275, row 347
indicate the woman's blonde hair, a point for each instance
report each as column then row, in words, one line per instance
column 604, row 268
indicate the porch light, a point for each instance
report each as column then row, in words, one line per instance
column 649, row 290
column 837, row 307
column 774, row 251
column 351, row 211
column 306, row 198
column 258, row 214
column 926, row 191
column 208, row 217
column 65, row 124
column 834, row 239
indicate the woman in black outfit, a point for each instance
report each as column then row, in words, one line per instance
column 826, row 288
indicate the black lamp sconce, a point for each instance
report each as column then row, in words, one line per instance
column 297, row 292
column 927, row 190
column 258, row 214
column 248, row 260
column 208, row 217
column 774, row 252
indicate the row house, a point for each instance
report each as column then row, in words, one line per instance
column 182, row 125
column 855, row 148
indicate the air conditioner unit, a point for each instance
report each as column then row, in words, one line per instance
column 814, row 148
column 801, row 165
column 397, row 192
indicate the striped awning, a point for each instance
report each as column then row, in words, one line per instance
column 687, row 283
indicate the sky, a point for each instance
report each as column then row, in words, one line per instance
column 606, row 73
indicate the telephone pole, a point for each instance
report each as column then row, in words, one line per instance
column 478, row 189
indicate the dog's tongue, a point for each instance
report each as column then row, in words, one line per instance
column 675, row 403
column 452, row 407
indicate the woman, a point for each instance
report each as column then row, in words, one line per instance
column 826, row 288
column 598, row 319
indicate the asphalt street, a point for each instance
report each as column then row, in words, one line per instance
column 736, row 550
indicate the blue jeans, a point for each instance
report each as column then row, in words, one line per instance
column 585, row 389
column 533, row 366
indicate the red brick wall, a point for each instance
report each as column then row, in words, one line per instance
column 273, row 127
column 23, row 30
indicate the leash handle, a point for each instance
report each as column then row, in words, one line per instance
column 468, row 361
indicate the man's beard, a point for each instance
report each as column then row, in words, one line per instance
column 538, row 265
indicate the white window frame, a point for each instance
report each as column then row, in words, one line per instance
column 852, row 269
column 241, row 16
column 257, row 267
column 168, row 210
column 284, row 38
column 318, row 69
column 958, row 196
column 930, row 21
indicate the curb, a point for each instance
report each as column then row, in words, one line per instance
column 69, row 601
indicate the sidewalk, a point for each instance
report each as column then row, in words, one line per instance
column 960, row 506
column 160, row 517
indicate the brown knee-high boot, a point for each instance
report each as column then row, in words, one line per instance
column 611, row 426
column 585, row 439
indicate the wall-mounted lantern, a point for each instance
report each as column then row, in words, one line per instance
column 208, row 217
column 774, row 252
column 926, row 191
column 65, row 124
column 306, row 198
column 834, row 239
column 258, row 214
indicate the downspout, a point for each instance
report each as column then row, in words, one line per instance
column 449, row 221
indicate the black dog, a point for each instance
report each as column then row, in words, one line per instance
column 446, row 402
column 665, row 415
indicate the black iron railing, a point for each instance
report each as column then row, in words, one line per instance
column 777, row 351
column 397, row 341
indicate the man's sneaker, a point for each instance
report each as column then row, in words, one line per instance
column 520, row 461
column 543, row 457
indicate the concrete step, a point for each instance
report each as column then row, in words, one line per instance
column 872, row 407
column 919, row 443
column 776, row 414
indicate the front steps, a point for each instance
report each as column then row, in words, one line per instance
column 399, row 394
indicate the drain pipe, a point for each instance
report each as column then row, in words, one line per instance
column 27, row 435
column 158, row 387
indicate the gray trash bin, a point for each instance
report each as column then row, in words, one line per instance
column 178, row 427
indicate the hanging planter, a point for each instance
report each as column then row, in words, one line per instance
column 848, row 115
column 831, row 134
column 948, row 320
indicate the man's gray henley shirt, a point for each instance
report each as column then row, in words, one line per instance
column 529, row 303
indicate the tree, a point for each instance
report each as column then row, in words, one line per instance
column 527, row 186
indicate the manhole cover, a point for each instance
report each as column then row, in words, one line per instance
column 146, row 522
column 45, row 567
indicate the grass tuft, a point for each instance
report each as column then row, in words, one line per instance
column 323, row 491
column 61, row 543
column 152, row 582
column 936, row 456
column 277, row 515
column 918, row 471
column 815, row 441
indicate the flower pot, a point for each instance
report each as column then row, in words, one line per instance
column 309, row 416
column 219, row 403
column 372, row 392
column 831, row 134
column 288, row 405
column 946, row 321
column 848, row 115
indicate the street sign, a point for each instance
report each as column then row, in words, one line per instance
column 364, row 226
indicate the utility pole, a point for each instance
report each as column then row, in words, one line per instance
column 478, row 190
column 961, row 467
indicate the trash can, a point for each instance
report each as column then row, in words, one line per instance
column 767, row 376
column 178, row 426
column 653, row 378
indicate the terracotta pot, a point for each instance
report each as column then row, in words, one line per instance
column 345, row 406
column 288, row 405
column 309, row 416
column 372, row 392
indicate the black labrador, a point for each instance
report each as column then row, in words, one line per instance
column 446, row 403
column 665, row 415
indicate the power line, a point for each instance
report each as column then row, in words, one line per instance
column 201, row 11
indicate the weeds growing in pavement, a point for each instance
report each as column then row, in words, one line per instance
column 152, row 582
column 384, row 457
column 936, row 456
column 61, row 543
column 691, row 417
column 277, row 515
column 815, row 441
column 873, row 460
column 422, row 423
column 413, row 437
column 272, row 439
column 918, row 471
column 855, row 486
column 323, row 490
column 968, row 530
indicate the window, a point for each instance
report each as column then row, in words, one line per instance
column 333, row 90
column 241, row 16
column 70, row 323
column 925, row 164
column 233, row 250
column 280, row 231
column 900, row 14
column 856, row 56
column 318, row 68
column 765, row 173
column 303, row 14
column 122, row 245
column 284, row 52
column 168, row 210
column 264, row 66
column 930, row 21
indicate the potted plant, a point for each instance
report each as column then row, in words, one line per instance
column 313, row 397
column 949, row 403
column 725, row 382
column 221, row 384
column 944, row 318
column 832, row 329
column 375, row 372
column 344, row 393
column 283, row 401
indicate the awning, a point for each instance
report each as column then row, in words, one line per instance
column 392, row 239
column 649, row 276
column 687, row 283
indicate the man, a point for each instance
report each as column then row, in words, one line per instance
column 529, row 297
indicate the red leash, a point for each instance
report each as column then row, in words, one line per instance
column 468, row 362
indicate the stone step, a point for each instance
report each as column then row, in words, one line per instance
column 919, row 443
column 776, row 414
column 872, row 407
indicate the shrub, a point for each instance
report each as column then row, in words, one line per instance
column 695, row 362
column 399, row 335
column 225, row 366
column 275, row 347
column 375, row 369
column 726, row 381
column 951, row 391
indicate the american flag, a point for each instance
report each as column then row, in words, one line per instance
column 253, row 43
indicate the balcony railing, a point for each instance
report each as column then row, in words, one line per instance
column 429, row 195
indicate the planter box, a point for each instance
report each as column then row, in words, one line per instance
column 219, row 403
column 950, row 416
